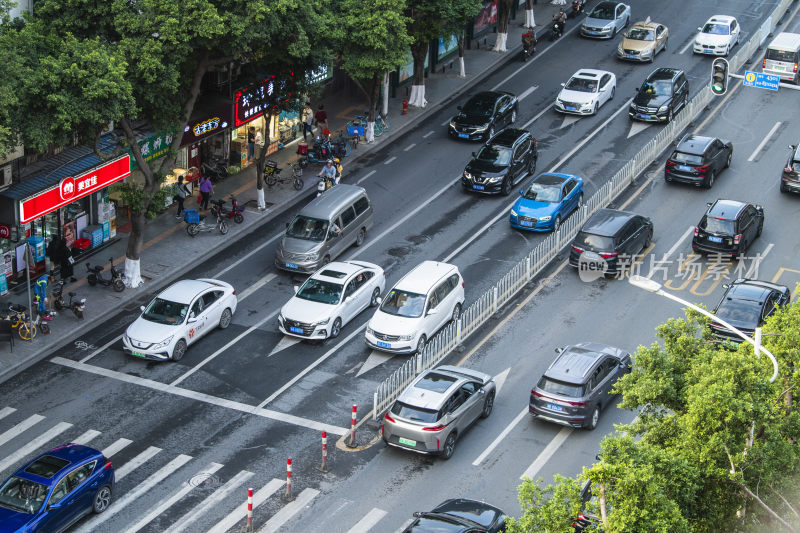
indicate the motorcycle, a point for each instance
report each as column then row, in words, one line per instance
column 578, row 7
column 76, row 306
column 236, row 212
column 321, row 151
column 557, row 30
column 95, row 276
column 528, row 48
column 215, row 169
column 325, row 184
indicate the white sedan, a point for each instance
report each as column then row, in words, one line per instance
column 586, row 91
column 717, row 36
column 330, row 298
column 178, row 317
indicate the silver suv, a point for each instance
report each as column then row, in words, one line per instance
column 437, row 407
column 578, row 384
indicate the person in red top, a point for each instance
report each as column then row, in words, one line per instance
column 529, row 42
column 321, row 117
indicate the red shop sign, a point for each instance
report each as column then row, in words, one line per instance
column 71, row 188
column 5, row 231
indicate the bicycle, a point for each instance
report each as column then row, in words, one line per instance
column 194, row 228
column 382, row 121
column 26, row 328
column 355, row 129
column 274, row 177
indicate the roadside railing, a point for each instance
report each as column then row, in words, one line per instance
column 535, row 262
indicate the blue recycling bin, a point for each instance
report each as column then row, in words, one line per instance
column 37, row 247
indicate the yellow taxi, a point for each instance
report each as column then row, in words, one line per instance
column 643, row 41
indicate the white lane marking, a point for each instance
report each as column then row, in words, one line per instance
column 368, row 174
column 103, row 347
column 390, row 160
column 254, row 287
column 500, row 437
column 374, row 359
column 431, row 132
column 35, row 444
column 142, row 488
column 528, row 91
column 538, row 115
column 478, row 233
column 446, row 122
column 690, row 43
column 309, row 368
column 202, row 397
column 569, row 120
column 368, row 522
column 638, row 127
column 656, row 264
column 764, row 141
column 753, row 270
column 409, row 147
column 500, row 379
column 248, row 255
column 166, row 504
column 675, row 246
column 285, row 342
column 209, row 503
column 87, row 437
column 241, row 510
column 136, row 462
column 289, row 510
column 405, row 525
column 546, row 454
column 19, row 428
column 5, row 411
column 118, row 445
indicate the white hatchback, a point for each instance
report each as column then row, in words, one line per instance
column 178, row 317
column 717, row 36
column 330, row 298
column 418, row 306
column 586, row 91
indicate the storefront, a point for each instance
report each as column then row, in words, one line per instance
column 206, row 138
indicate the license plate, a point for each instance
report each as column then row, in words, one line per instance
column 463, row 135
column 714, row 239
column 407, row 442
column 630, row 56
column 138, row 354
column 295, row 329
column 684, row 168
column 526, row 223
column 778, row 67
column 591, row 256
column 591, row 32
column 479, row 187
column 291, row 265
column 647, row 116
column 707, row 49
column 554, row 407
column 384, row 344
column 570, row 107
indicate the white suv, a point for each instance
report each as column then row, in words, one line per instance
column 419, row 304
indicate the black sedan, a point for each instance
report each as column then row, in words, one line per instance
column 483, row 115
column 698, row 160
column 460, row 516
column 790, row 179
column 501, row 163
column 746, row 304
column 728, row 228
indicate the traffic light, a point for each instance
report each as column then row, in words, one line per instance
column 719, row 76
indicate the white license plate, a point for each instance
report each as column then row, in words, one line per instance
column 384, row 344
column 463, row 135
column 138, row 354
column 407, row 442
column 526, row 223
column 554, row 407
column 291, row 265
column 714, row 239
column 591, row 256
column 295, row 329
column 479, row 187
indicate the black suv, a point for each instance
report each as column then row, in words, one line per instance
column 483, row 115
column 790, row 180
column 698, row 160
column 608, row 234
column 746, row 305
column 501, row 163
column 577, row 386
column 728, row 228
column 663, row 93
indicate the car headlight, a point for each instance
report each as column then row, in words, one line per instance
column 280, row 318
column 405, row 337
column 494, row 179
column 545, row 219
column 646, row 52
column 514, row 214
column 322, row 322
column 468, row 175
column 125, row 338
column 633, row 107
column 608, row 26
column 453, row 124
column 163, row 343
column 663, row 109
column 619, row 48
column 370, row 331
column 482, row 128
column 587, row 105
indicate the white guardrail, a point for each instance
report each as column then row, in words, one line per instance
column 534, row 263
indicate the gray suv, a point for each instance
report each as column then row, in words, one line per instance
column 578, row 384
column 436, row 408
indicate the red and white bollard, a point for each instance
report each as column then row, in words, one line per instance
column 324, row 466
column 352, row 443
column 288, row 494
column 249, row 527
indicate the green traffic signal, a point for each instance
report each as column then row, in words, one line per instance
column 719, row 76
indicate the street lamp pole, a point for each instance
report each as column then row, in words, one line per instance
column 655, row 287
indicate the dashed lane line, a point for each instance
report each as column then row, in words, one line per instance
column 503, row 434
column 409, row 147
column 431, row 132
column 368, row 174
column 20, row 428
column 390, row 160
column 546, row 454
column 764, row 141
column 103, row 347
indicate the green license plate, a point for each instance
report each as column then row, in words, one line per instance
column 138, row 354
column 407, row 442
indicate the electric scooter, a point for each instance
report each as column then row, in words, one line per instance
column 95, row 276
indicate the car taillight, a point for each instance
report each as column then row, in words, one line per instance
column 107, row 466
column 537, row 394
column 577, row 249
column 608, row 255
column 462, row 284
column 388, row 418
column 437, row 427
column 696, row 231
column 234, row 292
column 795, row 68
column 671, row 163
column 577, row 404
column 737, row 239
column 702, row 168
column 764, row 64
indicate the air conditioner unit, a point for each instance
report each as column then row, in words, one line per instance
column 6, row 176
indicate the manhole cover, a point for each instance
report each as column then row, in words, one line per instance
column 204, row 480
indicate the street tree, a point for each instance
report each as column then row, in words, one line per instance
column 551, row 509
column 503, row 15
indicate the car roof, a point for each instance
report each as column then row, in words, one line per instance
column 431, row 389
column 69, row 453
column 424, row 276
column 473, row 510
column 184, row 291
column 726, row 209
column 553, row 178
column 508, row 136
column 646, row 24
column 786, row 40
column 694, row 144
column 347, row 268
column 487, row 95
column 753, row 289
column 590, row 73
column 332, row 201
column 721, row 19
column 607, row 222
column 664, row 73
column 576, row 361
column 607, row 4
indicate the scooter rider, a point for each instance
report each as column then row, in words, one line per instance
column 529, row 41
column 339, row 170
column 328, row 173
column 561, row 18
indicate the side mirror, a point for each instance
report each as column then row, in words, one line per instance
column 141, row 308
column 296, row 288
column 332, row 233
column 699, row 29
column 191, row 320
column 792, row 147
column 474, row 154
column 348, row 299
column 559, row 350
column 563, row 84
column 709, row 204
column 726, row 286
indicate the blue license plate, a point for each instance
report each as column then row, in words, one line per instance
column 684, row 168
column 554, row 407
column 630, row 56
column 295, row 329
column 570, row 107
column 384, row 344
column 590, row 32
column 714, row 239
column 479, row 187
column 291, row 265
column 526, row 223
column 647, row 116
column 463, row 135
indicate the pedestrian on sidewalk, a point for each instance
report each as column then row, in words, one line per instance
column 322, row 118
column 180, row 195
column 308, row 118
column 65, row 260
column 251, row 143
column 206, row 189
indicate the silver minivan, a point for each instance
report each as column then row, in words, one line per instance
column 783, row 56
column 311, row 239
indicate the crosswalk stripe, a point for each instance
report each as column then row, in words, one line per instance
column 166, row 504
column 241, row 510
column 35, row 444
column 87, row 437
column 116, row 446
column 19, row 428
column 369, row 520
column 5, row 411
column 218, row 495
column 136, row 462
column 133, row 495
column 405, row 525
column 289, row 510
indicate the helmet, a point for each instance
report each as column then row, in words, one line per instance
column 330, row 161
column 336, row 160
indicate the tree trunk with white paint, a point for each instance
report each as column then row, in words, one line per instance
column 500, row 44
column 504, row 12
column 369, row 132
column 462, row 73
column 530, row 22
column 133, row 277
column 262, row 204
column 417, row 98
column 385, row 106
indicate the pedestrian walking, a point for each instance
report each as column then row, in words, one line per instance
column 308, row 118
column 180, row 195
column 251, row 143
column 206, row 189
column 65, row 260
column 321, row 117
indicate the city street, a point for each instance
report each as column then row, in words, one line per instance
column 188, row 438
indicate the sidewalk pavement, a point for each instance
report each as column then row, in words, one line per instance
column 168, row 251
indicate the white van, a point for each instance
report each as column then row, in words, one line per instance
column 783, row 55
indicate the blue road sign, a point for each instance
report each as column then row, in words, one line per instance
column 761, row 80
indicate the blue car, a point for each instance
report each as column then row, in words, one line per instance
column 548, row 200
column 55, row 490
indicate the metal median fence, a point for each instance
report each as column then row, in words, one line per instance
column 442, row 344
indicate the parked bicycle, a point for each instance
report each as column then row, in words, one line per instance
column 26, row 328
column 274, row 177
column 197, row 223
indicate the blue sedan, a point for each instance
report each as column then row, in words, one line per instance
column 549, row 199
column 55, row 490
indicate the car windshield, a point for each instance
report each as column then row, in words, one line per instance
column 582, row 85
column 719, row 226
column 780, row 55
column 317, row 290
column 494, row 154
column 742, row 312
column 417, row 414
column 658, row 88
column 561, row 388
column 402, row 303
column 603, row 11
column 716, row 29
column 22, row 495
column 641, row 34
column 479, row 106
column 165, row 312
column 683, row 157
column 307, row 228
column 596, row 242
column 543, row 193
